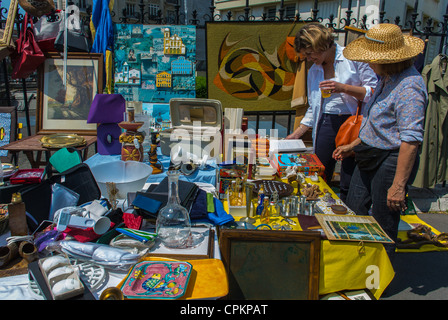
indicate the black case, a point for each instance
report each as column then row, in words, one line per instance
column 37, row 198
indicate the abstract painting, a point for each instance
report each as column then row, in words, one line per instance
column 155, row 63
column 249, row 65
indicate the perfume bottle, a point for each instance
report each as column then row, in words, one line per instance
column 173, row 221
column 265, row 215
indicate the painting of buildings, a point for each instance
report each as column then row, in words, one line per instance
column 181, row 66
column 154, row 64
column 172, row 44
column 163, row 80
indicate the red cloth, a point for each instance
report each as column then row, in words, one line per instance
column 83, row 235
column 132, row 221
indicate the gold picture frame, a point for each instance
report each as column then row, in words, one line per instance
column 6, row 33
column 65, row 109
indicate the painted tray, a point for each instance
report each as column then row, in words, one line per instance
column 209, row 280
column 157, row 280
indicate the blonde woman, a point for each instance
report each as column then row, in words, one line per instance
column 334, row 87
column 392, row 128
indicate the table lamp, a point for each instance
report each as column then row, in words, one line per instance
column 107, row 110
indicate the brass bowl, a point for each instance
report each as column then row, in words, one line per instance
column 112, row 293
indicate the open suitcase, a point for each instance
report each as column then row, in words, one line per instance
column 196, row 127
column 38, row 197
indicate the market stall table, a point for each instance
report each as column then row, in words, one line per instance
column 33, row 144
column 345, row 265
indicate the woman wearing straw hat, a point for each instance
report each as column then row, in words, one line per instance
column 392, row 128
column 334, row 85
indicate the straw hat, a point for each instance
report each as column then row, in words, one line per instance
column 383, row 44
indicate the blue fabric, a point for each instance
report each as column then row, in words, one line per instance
column 220, row 216
column 104, row 31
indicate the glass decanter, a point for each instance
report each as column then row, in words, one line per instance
column 173, row 221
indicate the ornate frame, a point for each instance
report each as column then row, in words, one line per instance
column 55, row 91
column 6, row 35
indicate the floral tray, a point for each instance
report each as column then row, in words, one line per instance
column 157, row 280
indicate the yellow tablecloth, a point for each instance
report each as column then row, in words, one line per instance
column 414, row 220
column 347, row 265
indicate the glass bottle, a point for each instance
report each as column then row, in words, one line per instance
column 265, row 217
column 173, row 221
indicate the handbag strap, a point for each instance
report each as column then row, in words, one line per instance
column 358, row 111
column 23, row 37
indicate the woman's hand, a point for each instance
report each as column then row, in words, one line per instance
column 300, row 131
column 342, row 152
column 332, row 86
column 396, row 198
column 396, row 195
column 293, row 136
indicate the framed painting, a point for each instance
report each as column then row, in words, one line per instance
column 270, row 264
column 251, row 65
column 64, row 109
column 7, row 30
column 8, row 130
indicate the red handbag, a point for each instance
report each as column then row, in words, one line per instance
column 349, row 130
column 28, row 55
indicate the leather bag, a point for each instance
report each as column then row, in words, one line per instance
column 349, row 130
column 47, row 28
column 76, row 41
column 28, row 56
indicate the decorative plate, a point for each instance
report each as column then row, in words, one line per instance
column 62, row 140
column 157, row 280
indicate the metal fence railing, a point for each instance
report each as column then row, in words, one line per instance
column 424, row 28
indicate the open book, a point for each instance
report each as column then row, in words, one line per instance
column 286, row 146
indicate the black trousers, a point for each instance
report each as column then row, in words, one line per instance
column 327, row 130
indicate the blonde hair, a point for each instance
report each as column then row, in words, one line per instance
column 315, row 36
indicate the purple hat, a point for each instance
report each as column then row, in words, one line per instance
column 107, row 108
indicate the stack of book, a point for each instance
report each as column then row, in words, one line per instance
column 307, row 163
column 264, row 169
column 260, row 147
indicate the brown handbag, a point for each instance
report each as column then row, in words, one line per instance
column 349, row 130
